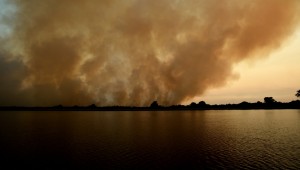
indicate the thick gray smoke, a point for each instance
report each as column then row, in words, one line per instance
column 131, row 52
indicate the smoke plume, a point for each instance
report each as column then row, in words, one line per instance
column 131, row 52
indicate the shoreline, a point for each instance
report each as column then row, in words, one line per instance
column 139, row 108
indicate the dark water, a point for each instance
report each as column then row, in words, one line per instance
column 262, row 139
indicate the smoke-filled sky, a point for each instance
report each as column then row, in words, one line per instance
column 132, row 52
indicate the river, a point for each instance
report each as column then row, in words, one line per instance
column 223, row 139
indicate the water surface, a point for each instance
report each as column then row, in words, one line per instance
column 229, row 139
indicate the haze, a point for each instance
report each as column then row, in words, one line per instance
column 132, row 52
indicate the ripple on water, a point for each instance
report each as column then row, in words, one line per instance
column 153, row 140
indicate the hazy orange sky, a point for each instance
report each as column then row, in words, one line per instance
column 278, row 75
column 133, row 52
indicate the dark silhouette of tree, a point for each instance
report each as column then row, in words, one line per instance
column 298, row 93
column 244, row 103
column 269, row 100
column 154, row 104
column 193, row 104
column 92, row 106
column 202, row 103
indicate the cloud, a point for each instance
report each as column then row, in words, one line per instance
column 133, row 52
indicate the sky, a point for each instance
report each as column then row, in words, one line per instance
column 133, row 52
column 276, row 76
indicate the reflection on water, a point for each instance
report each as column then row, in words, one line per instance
column 260, row 139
